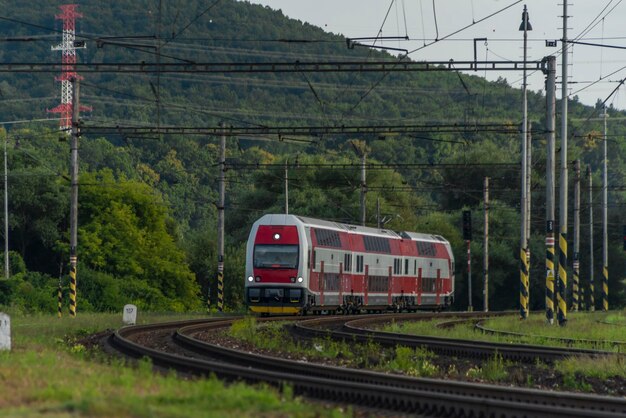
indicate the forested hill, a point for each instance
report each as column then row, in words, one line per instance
column 166, row 185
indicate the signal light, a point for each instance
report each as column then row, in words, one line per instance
column 467, row 225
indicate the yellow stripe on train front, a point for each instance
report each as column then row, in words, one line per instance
column 275, row 309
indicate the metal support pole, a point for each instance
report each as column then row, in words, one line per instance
column 6, row 213
column 486, row 246
column 528, row 194
column 287, row 187
column 605, row 235
column 378, row 212
column 363, row 186
column 550, row 188
column 524, row 207
column 562, row 283
column 74, row 198
column 470, row 308
column 220, row 222
column 576, row 262
column 592, row 298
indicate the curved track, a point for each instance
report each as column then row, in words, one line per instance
column 360, row 330
column 568, row 341
column 427, row 397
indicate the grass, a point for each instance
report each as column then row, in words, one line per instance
column 492, row 370
column 576, row 370
column 272, row 336
column 43, row 375
column 414, row 362
column 534, row 330
column 600, row 327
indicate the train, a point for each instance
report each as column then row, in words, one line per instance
column 300, row 265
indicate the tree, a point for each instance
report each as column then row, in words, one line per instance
column 124, row 231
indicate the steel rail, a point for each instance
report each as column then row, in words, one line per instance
column 427, row 402
column 569, row 341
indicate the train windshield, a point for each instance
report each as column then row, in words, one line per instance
column 276, row 256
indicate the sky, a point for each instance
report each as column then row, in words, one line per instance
column 594, row 72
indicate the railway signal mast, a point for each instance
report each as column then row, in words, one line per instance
column 68, row 48
column 524, row 262
column 69, row 110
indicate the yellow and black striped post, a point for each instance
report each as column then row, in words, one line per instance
column 605, row 288
column 592, row 297
column 562, row 284
column 523, row 295
column 576, row 283
column 583, row 301
column 550, row 274
column 60, row 300
column 220, row 290
column 208, row 299
column 73, row 261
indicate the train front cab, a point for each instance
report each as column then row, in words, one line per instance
column 275, row 267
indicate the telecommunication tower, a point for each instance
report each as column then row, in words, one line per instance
column 68, row 47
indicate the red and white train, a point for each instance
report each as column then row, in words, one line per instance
column 298, row 265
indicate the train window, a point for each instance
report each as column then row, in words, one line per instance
column 327, row 238
column 359, row 264
column 347, row 262
column 414, row 267
column 275, row 256
column 397, row 266
column 406, row 266
column 426, row 248
column 377, row 244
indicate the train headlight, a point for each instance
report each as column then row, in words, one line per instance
column 276, row 237
column 293, row 279
column 250, row 278
column 257, row 278
column 300, row 279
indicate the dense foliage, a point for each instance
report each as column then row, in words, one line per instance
column 147, row 226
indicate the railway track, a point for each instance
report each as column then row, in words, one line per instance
column 360, row 330
column 426, row 397
column 569, row 341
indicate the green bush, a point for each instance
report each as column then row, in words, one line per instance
column 33, row 292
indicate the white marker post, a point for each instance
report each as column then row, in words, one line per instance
column 5, row 332
column 130, row 314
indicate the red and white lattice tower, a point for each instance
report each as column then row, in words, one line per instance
column 68, row 48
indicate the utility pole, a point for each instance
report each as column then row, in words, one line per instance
column 592, row 298
column 360, row 148
column 287, row 187
column 467, row 236
column 576, row 262
column 378, row 212
column 220, row 222
column 550, row 188
column 363, row 187
column 524, row 287
column 562, row 283
column 74, row 197
column 528, row 198
column 605, row 235
column 486, row 246
column 6, row 213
